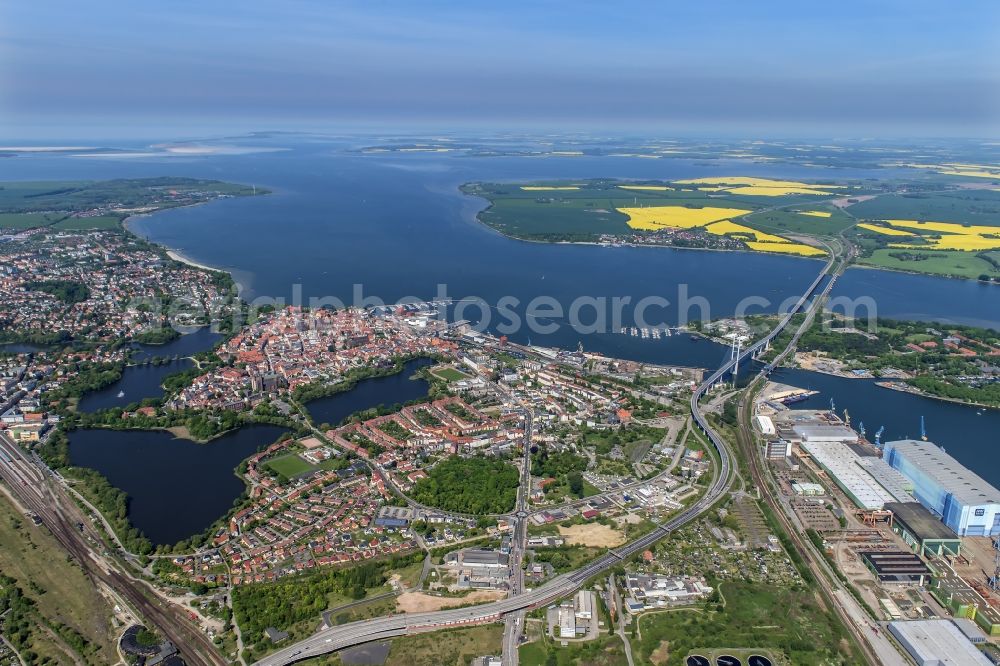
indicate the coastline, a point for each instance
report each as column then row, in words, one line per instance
column 854, row 264
column 898, row 385
column 904, row 271
column 172, row 253
column 475, row 219
column 177, row 256
column 957, row 278
column 644, row 245
column 906, row 388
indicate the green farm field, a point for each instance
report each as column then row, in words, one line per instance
column 793, row 221
column 82, row 223
column 935, row 262
column 980, row 207
column 16, row 221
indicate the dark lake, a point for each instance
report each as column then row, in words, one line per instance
column 138, row 382
column 187, row 344
column 20, row 348
column 368, row 393
column 176, row 487
column 142, row 381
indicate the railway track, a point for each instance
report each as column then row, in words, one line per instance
column 39, row 494
column 760, row 479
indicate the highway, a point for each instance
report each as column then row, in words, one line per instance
column 514, row 623
column 355, row 633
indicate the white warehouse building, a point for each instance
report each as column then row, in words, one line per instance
column 869, row 486
column 936, row 643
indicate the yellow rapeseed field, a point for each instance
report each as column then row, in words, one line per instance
column 679, row 217
column 547, row 188
column 888, row 231
column 966, row 173
column 715, row 221
column 644, row 188
column 742, row 180
column 961, row 169
column 959, row 243
column 788, row 248
column 726, row 227
column 760, row 187
column 815, row 213
column 972, row 238
column 966, row 165
column 762, row 191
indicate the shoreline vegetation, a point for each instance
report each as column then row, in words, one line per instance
column 906, row 388
column 946, row 362
column 894, row 385
column 907, row 271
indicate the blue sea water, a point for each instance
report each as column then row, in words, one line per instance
column 395, row 225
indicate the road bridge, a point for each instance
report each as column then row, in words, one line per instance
column 355, row 633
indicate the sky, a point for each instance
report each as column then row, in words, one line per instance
column 851, row 67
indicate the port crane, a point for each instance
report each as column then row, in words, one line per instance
column 847, row 418
column 878, row 437
column 923, row 429
column 861, row 428
column 833, row 406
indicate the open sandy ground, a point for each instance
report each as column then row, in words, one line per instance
column 418, row 602
column 592, row 534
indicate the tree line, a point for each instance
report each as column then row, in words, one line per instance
column 293, row 599
column 469, row 485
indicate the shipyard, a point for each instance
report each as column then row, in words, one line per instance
column 909, row 527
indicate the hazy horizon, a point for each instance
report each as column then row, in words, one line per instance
column 895, row 69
